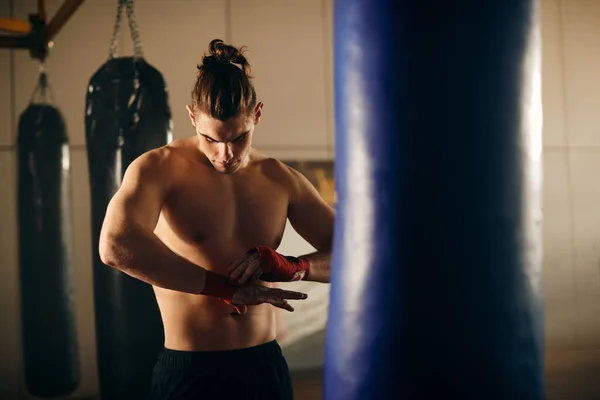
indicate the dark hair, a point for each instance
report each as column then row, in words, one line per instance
column 223, row 86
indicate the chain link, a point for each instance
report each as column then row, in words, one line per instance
column 133, row 27
column 135, row 31
column 115, row 36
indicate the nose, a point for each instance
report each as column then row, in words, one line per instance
column 225, row 152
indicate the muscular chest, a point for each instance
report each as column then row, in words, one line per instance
column 228, row 212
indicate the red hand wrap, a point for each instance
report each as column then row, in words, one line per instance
column 218, row 286
column 280, row 268
column 239, row 309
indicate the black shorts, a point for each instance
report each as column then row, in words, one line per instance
column 255, row 373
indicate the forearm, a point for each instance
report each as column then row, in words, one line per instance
column 319, row 266
column 144, row 256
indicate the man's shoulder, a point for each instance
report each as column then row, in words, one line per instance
column 273, row 167
column 154, row 160
column 290, row 172
column 173, row 154
column 280, row 173
column 161, row 162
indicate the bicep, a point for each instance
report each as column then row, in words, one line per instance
column 311, row 216
column 139, row 199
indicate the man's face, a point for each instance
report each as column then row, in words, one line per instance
column 226, row 144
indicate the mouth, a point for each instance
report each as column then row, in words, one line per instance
column 228, row 164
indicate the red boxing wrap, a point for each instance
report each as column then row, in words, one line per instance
column 239, row 309
column 218, row 286
column 280, row 268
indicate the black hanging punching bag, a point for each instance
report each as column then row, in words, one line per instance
column 44, row 210
column 127, row 114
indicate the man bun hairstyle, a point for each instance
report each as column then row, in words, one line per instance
column 223, row 87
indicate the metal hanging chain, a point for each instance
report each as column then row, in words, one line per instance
column 135, row 31
column 133, row 27
column 115, row 36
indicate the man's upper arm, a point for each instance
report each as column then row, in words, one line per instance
column 310, row 215
column 139, row 199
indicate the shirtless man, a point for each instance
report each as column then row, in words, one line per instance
column 199, row 220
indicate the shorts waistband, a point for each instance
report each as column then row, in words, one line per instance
column 180, row 359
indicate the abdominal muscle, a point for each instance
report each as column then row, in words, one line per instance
column 204, row 323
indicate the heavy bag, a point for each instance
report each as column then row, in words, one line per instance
column 127, row 114
column 49, row 336
column 436, row 290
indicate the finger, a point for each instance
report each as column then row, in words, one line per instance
column 257, row 274
column 239, row 269
column 243, row 266
column 236, row 263
column 249, row 254
column 252, row 269
column 287, row 294
column 279, row 303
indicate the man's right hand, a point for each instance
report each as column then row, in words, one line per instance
column 253, row 294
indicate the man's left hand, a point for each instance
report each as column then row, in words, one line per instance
column 247, row 268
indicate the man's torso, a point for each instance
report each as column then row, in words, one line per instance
column 212, row 219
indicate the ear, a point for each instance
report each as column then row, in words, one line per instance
column 191, row 114
column 258, row 113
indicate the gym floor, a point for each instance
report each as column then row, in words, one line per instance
column 570, row 375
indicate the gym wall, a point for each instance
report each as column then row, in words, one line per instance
column 290, row 47
column 571, row 100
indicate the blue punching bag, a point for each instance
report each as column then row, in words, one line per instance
column 437, row 262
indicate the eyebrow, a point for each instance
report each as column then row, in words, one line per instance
column 215, row 140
